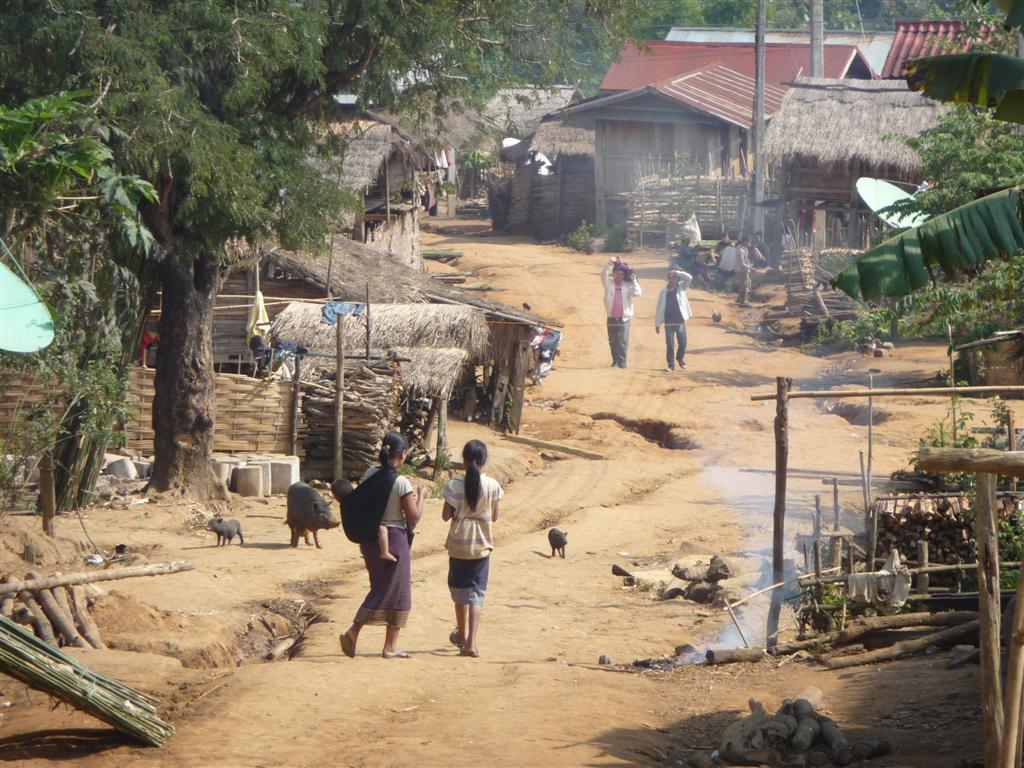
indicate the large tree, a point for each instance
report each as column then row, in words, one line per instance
column 217, row 103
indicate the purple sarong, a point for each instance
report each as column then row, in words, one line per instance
column 390, row 597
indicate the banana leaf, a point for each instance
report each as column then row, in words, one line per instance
column 962, row 239
column 1014, row 10
column 982, row 79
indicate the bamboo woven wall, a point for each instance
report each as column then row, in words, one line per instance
column 250, row 415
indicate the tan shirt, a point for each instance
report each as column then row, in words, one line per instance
column 394, row 517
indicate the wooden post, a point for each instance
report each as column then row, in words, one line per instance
column 952, row 378
column 817, row 516
column 837, row 543
column 871, row 426
column 923, row 579
column 600, row 201
column 339, row 399
column 369, row 326
column 47, row 492
column 782, row 386
column 1014, row 705
column 387, row 192
column 989, row 609
column 293, row 438
column 440, row 455
column 1011, row 444
column 818, row 588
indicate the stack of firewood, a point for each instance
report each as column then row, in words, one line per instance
column 58, row 616
column 372, row 406
column 939, row 520
column 416, row 414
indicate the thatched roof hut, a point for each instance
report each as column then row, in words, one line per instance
column 370, row 139
column 391, row 326
column 553, row 139
column 834, row 122
column 433, row 341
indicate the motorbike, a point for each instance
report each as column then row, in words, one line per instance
column 544, row 348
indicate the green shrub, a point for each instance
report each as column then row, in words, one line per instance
column 616, row 239
column 580, row 238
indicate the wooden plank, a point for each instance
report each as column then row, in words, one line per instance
column 536, row 443
column 980, row 460
column 918, row 392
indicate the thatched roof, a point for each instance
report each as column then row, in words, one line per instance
column 369, row 140
column 354, row 266
column 518, row 111
column 836, row 121
column 391, row 326
column 433, row 341
column 554, row 138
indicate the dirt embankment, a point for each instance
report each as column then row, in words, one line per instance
column 536, row 696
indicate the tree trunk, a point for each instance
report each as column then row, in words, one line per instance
column 183, row 405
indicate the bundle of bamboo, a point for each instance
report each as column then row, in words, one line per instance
column 372, row 406
column 25, row 657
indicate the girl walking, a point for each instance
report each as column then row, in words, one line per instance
column 471, row 506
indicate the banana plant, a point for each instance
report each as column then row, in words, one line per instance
column 966, row 237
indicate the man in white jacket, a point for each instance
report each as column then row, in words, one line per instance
column 621, row 286
column 673, row 311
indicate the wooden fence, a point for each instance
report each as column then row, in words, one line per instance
column 250, row 415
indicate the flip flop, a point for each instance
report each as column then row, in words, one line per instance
column 474, row 654
column 347, row 646
column 453, row 638
column 396, row 655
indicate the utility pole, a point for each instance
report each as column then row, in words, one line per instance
column 817, row 38
column 759, row 70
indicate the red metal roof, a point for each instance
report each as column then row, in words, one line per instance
column 922, row 38
column 784, row 62
column 721, row 92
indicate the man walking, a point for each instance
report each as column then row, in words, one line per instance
column 673, row 311
column 743, row 270
column 621, row 286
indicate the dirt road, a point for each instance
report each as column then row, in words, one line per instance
column 536, row 696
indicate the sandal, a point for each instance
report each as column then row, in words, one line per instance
column 347, row 646
column 395, row 655
column 474, row 654
column 453, row 638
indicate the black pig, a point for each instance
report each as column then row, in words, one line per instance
column 557, row 539
column 308, row 512
column 226, row 530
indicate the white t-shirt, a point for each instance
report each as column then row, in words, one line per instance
column 730, row 259
column 394, row 517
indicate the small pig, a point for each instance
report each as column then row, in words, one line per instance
column 308, row 511
column 226, row 530
column 557, row 539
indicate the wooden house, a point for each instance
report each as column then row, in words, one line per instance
column 826, row 135
column 687, row 109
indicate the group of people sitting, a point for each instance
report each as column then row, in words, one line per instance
column 731, row 261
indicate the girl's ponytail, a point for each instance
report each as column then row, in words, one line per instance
column 474, row 454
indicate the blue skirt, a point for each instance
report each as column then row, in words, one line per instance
column 467, row 580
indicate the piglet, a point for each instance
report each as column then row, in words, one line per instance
column 557, row 539
column 308, row 512
column 226, row 530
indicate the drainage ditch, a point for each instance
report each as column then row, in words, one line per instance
column 665, row 435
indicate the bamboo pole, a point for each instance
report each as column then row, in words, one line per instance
column 441, row 456
column 989, row 609
column 339, row 400
column 952, row 378
column 918, row 392
column 293, row 436
column 112, row 574
column 782, row 386
column 1011, row 444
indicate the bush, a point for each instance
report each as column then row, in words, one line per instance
column 616, row 239
column 580, row 239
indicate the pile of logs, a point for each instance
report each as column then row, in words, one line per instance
column 940, row 520
column 58, row 615
column 796, row 729
column 417, row 413
column 808, row 295
column 372, row 406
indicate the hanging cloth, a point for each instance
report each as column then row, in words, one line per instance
column 259, row 320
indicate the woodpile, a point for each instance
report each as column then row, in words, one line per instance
column 417, row 413
column 808, row 296
column 372, row 406
column 939, row 520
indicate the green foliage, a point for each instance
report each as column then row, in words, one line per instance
column 479, row 160
column 581, row 238
column 617, row 240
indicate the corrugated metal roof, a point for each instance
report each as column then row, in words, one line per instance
column 660, row 60
column 873, row 45
column 922, row 38
column 721, row 92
